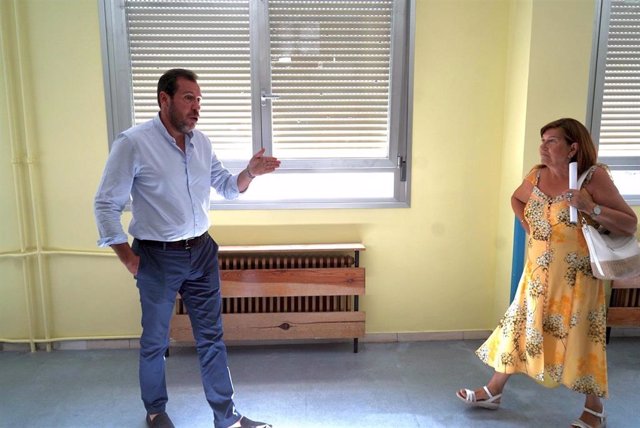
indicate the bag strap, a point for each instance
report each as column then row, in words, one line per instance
column 581, row 180
column 583, row 176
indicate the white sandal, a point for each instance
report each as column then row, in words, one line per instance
column 470, row 399
column 579, row 423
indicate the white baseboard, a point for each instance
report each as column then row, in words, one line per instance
column 426, row 336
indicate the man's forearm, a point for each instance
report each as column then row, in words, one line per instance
column 126, row 255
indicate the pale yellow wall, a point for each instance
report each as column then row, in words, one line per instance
column 14, row 319
column 561, row 47
column 516, row 96
column 483, row 86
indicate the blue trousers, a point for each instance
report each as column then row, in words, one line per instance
column 194, row 274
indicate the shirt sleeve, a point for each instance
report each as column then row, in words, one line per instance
column 225, row 183
column 114, row 192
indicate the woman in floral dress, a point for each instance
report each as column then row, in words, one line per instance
column 554, row 331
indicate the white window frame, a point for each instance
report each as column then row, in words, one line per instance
column 625, row 169
column 119, row 103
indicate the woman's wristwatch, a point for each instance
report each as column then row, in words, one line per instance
column 596, row 211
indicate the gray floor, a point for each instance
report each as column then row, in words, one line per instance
column 313, row 385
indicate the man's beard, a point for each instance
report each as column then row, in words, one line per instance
column 180, row 125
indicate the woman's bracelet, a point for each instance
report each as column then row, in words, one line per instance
column 251, row 176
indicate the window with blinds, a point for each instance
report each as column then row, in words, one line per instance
column 615, row 113
column 210, row 38
column 330, row 68
column 323, row 85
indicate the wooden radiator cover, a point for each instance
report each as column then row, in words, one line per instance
column 284, row 292
column 624, row 307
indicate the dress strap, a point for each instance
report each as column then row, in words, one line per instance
column 533, row 176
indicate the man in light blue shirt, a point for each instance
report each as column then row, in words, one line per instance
column 167, row 168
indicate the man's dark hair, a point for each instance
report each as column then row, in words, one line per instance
column 168, row 82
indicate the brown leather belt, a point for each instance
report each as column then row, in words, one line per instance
column 184, row 244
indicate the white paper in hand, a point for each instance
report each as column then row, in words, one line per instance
column 573, row 184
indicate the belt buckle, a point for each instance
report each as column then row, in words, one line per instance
column 187, row 246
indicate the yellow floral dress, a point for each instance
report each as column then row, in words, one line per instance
column 554, row 330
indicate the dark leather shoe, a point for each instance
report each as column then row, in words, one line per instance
column 245, row 422
column 160, row 421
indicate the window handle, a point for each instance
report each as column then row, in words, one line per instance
column 402, row 166
column 271, row 97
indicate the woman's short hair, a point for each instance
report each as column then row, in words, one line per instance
column 576, row 132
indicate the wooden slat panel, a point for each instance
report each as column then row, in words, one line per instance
column 298, row 282
column 326, row 325
column 290, row 248
column 626, row 283
column 623, row 317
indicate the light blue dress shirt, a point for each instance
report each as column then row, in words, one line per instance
column 169, row 189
